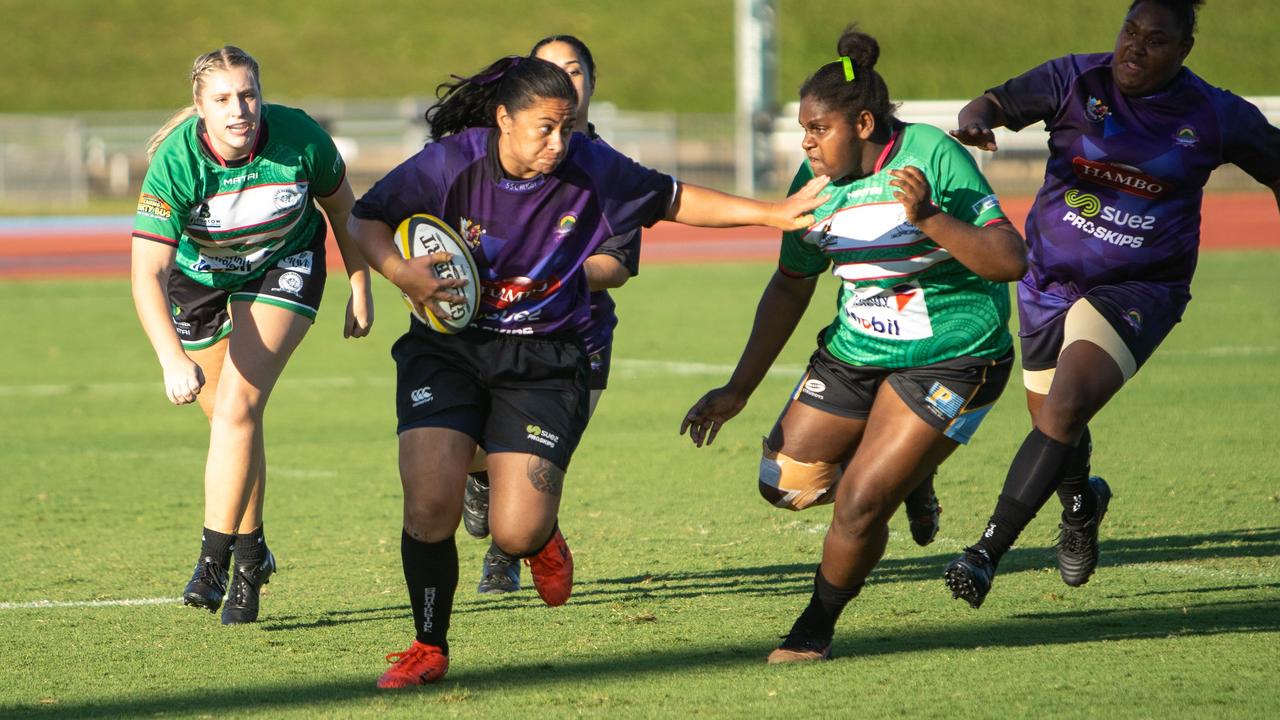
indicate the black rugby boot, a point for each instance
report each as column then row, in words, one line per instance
column 246, row 587
column 970, row 576
column 1078, row 544
column 207, row 586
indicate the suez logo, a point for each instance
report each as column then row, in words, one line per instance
column 1087, row 206
column 896, row 313
column 1121, row 177
column 538, row 435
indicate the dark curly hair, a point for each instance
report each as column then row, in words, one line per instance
column 513, row 81
column 867, row 90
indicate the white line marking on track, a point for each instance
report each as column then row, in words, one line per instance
column 58, row 604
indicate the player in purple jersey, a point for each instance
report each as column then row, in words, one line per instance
column 615, row 262
column 533, row 200
column 1113, row 237
column 232, row 181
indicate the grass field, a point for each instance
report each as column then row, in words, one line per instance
column 685, row 579
column 657, row 55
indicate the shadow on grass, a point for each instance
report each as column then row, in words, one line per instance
column 471, row 676
column 792, row 579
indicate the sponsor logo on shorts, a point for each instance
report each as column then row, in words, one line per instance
column 814, row 387
column 1125, row 178
column 154, row 207
column 943, row 402
column 1186, row 136
column 985, row 204
column 298, row 262
column 290, row 282
column 183, row 328
column 1096, row 110
column 421, row 396
column 538, row 435
column 596, row 360
column 1134, row 318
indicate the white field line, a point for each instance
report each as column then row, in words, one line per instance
column 59, row 604
column 623, row 365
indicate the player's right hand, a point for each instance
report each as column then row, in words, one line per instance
column 709, row 414
column 976, row 135
column 183, row 380
column 417, row 280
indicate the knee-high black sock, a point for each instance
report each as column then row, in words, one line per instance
column 431, row 574
column 216, row 545
column 1078, row 501
column 251, row 548
column 825, row 606
column 1033, row 476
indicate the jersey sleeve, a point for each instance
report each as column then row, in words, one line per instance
column 325, row 166
column 960, row 188
column 1250, row 142
column 798, row 258
column 414, row 186
column 159, row 217
column 625, row 249
column 630, row 195
column 1036, row 94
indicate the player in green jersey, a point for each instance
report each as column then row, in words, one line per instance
column 228, row 270
column 920, row 346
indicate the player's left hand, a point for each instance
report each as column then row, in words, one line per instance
column 796, row 212
column 359, row 319
column 914, row 194
column 710, row 413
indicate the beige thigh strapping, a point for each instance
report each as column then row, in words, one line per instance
column 1084, row 322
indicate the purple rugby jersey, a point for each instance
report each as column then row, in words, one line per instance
column 1120, row 204
column 529, row 237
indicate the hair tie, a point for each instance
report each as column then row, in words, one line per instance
column 496, row 75
column 849, row 74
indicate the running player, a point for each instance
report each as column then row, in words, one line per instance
column 615, row 262
column 1113, row 237
column 533, row 200
column 228, row 270
column 919, row 348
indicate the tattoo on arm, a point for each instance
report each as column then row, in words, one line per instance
column 546, row 477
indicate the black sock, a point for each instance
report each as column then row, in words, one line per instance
column 1078, row 501
column 431, row 574
column 482, row 478
column 251, row 549
column 496, row 551
column 922, row 496
column 1033, row 475
column 825, row 606
column 216, row 545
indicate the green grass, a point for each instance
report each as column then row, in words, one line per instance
column 661, row 55
column 685, row 579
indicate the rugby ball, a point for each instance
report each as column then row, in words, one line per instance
column 423, row 234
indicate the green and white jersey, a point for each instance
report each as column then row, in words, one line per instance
column 232, row 223
column 904, row 301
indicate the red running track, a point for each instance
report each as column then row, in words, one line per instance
column 1229, row 221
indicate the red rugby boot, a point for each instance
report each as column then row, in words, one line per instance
column 552, row 570
column 419, row 665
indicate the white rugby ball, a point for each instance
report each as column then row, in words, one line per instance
column 424, row 234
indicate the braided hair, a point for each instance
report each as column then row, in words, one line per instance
column 514, row 81
column 224, row 58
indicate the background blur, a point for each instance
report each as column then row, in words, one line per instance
column 86, row 82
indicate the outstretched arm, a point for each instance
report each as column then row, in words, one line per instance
column 781, row 307
column 977, row 120
column 696, row 205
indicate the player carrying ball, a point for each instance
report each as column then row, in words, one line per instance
column 919, row 349
column 533, row 200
